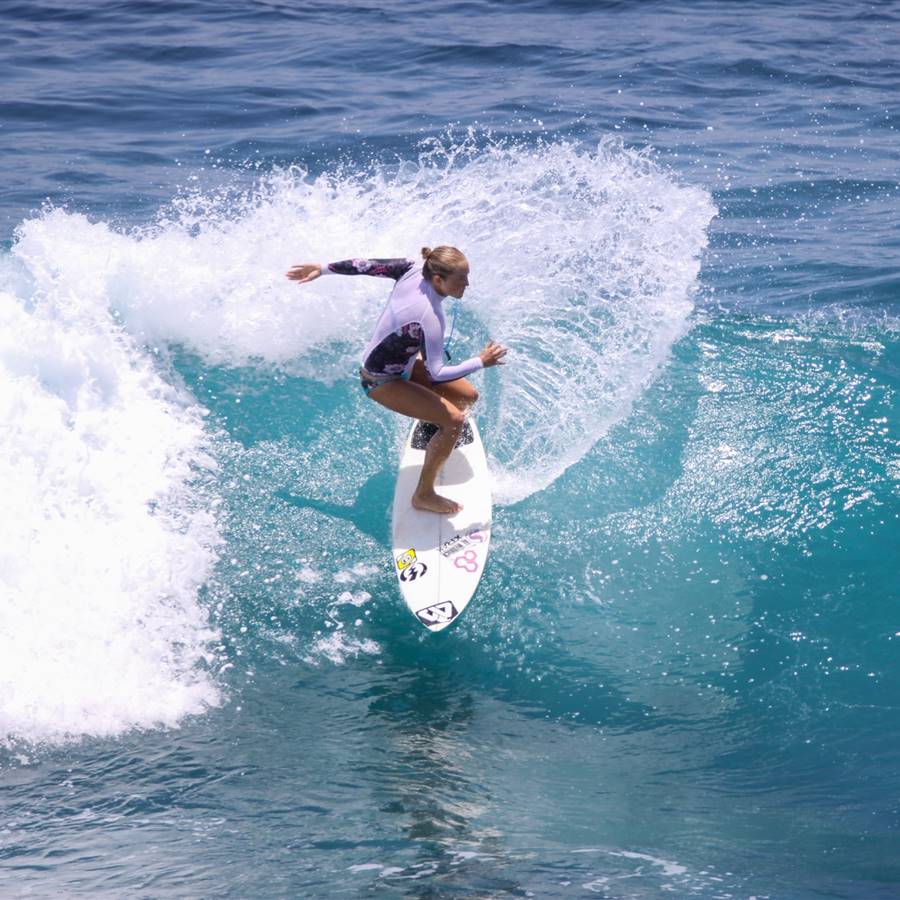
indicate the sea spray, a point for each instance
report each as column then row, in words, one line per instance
column 584, row 261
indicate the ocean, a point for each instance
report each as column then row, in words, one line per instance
column 680, row 676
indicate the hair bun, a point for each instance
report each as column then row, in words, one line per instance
column 441, row 260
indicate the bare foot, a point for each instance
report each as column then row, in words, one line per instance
column 432, row 502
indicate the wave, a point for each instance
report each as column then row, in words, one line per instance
column 583, row 261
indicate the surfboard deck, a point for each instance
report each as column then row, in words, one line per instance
column 439, row 559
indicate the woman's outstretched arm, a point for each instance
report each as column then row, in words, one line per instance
column 383, row 268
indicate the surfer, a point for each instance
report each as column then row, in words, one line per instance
column 403, row 366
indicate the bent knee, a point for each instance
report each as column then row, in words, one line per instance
column 455, row 417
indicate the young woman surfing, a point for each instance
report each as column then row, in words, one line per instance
column 412, row 324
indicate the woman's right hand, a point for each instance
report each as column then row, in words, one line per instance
column 493, row 354
column 305, row 272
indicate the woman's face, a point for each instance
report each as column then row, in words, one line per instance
column 454, row 284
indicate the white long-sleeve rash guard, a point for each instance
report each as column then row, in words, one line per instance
column 412, row 321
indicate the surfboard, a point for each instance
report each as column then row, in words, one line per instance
column 439, row 559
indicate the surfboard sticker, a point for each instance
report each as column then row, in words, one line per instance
column 439, row 614
column 460, row 541
column 439, row 559
column 416, row 570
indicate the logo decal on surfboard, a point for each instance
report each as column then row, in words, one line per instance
column 461, row 541
column 411, row 573
column 439, row 614
column 406, row 559
column 467, row 561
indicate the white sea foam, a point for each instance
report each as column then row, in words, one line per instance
column 101, row 549
column 337, row 646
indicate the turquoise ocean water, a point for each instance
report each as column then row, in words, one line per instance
column 680, row 676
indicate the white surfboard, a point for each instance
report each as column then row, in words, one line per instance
column 439, row 559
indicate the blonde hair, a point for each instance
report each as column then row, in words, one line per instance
column 441, row 261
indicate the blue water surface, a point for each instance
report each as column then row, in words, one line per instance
column 679, row 676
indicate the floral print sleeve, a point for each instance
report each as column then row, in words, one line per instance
column 384, row 268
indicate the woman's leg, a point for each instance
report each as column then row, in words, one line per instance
column 419, row 402
column 460, row 392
